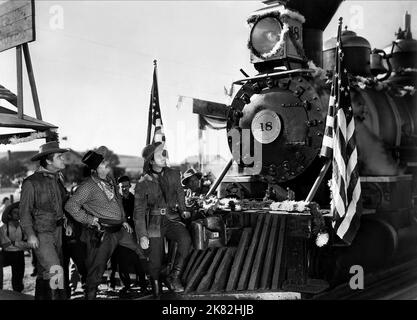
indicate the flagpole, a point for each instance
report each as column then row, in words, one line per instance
column 326, row 166
column 220, row 178
column 318, row 181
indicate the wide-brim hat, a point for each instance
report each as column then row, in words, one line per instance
column 48, row 148
column 92, row 159
column 147, row 154
column 189, row 173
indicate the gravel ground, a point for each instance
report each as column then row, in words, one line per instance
column 104, row 292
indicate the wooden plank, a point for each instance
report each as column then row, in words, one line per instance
column 255, row 274
column 253, row 216
column 19, row 26
column 32, row 82
column 10, row 6
column 190, row 263
column 200, row 271
column 278, row 258
column 19, row 70
column 12, row 121
column 7, row 95
column 223, row 271
column 247, row 266
column 17, row 23
column 270, row 255
column 196, row 264
column 239, row 259
column 207, row 280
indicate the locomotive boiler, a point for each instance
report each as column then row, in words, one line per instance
column 275, row 128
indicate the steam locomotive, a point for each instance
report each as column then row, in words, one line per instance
column 279, row 115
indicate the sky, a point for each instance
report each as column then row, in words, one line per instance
column 93, row 64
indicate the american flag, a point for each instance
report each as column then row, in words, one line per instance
column 154, row 117
column 339, row 145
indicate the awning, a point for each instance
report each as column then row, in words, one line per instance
column 9, row 119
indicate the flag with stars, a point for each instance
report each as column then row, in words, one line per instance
column 154, row 116
column 339, row 145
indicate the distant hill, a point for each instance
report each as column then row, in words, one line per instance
column 132, row 164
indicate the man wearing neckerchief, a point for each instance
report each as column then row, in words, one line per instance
column 159, row 207
column 97, row 205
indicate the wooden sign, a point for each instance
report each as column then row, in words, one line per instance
column 209, row 108
column 17, row 23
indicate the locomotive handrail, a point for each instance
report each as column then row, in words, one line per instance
column 280, row 74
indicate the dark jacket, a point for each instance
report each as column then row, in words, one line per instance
column 149, row 195
column 41, row 202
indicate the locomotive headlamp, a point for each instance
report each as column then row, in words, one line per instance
column 265, row 34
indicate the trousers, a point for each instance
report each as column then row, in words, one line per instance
column 99, row 255
column 172, row 230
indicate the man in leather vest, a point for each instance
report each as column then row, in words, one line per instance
column 42, row 216
column 159, row 206
column 97, row 204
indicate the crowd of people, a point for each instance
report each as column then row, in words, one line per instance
column 97, row 222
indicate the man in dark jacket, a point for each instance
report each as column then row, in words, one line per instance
column 42, row 217
column 159, row 206
column 98, row 205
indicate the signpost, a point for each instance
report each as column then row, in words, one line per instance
column 17, row 23
column 17, row 29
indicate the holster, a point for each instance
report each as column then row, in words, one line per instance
column 96, row 236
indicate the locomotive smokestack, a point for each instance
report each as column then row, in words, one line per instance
column 407, row 32
column 318, row 14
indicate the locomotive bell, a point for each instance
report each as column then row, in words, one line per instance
column 356, row 50
column 377, row 66
column 403, row 52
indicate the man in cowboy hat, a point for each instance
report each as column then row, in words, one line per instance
column 42, row 216
column 196, row 182
column 97, row 204
column 159, row 206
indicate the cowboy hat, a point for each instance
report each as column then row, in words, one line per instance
column 92, row 159
column 48, row 148
column 147, row 154
column 189, row 173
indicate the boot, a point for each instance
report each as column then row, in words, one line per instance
column 156, row 289
column 174, row 282
column 91, row 293
column 58, row 294
column 42, row 290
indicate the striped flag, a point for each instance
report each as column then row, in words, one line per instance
column 339, row 145
column 154, row 116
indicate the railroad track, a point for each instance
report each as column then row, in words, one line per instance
column 396, row 283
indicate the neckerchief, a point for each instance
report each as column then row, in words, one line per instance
column 163, row 184
column 105, row 186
